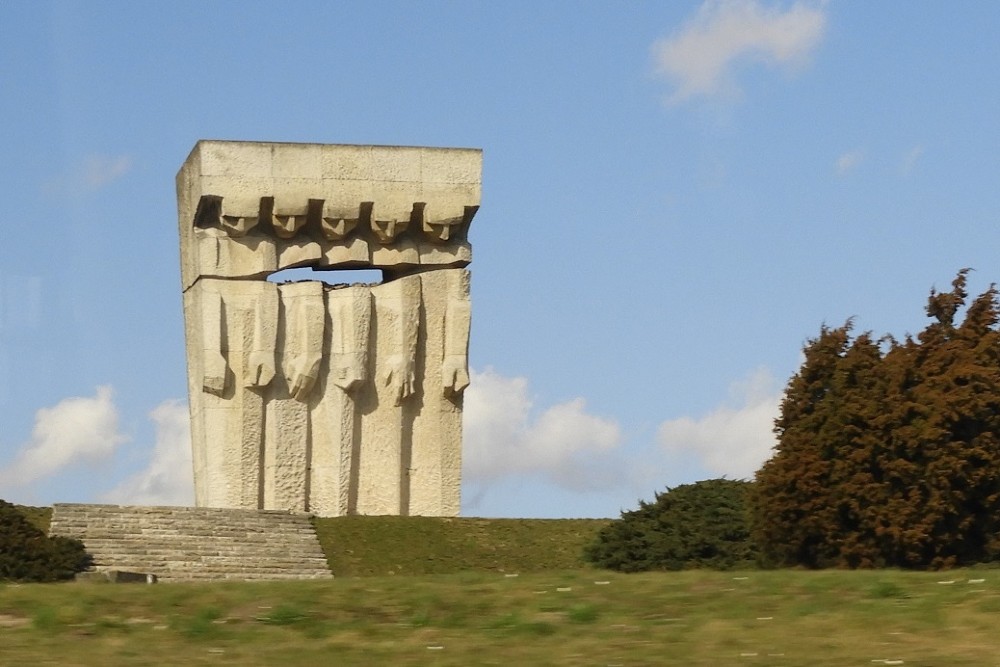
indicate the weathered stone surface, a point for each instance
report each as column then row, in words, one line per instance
column 309, row 397
column 116, row 577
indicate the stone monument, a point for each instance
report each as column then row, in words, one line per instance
column 329, row 398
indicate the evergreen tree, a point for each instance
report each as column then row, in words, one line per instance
column 794, row 491
column 946, row 437
column 894, row 458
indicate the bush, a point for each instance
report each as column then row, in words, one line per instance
column 28, row 554
column 700, row 525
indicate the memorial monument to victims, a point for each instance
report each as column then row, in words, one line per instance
column 333, row 399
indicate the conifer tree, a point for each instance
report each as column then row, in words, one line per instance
column 824, row 418
column 890, row 458
column 946, row 438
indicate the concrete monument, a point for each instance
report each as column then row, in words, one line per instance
column 306, row 396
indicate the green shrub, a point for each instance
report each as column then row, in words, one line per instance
column 700, row 525
column 28, row 554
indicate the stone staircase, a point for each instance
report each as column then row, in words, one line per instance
column 188, row 543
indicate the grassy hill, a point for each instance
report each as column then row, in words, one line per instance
column 389, row 545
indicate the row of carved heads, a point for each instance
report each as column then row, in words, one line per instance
column 334, row 224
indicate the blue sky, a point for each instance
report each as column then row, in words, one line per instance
column 675, row 197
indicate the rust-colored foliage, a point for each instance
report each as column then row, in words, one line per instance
column 889, row 452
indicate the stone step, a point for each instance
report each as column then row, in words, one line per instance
column 148, row 522
column 200, row 548
column 239, row 576
column 156, row 566
column 207, row 562
column 275, row 540
column 179, row 544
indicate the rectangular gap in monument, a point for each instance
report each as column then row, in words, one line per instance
column 329, row 276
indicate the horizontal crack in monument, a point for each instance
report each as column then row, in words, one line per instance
column 328, row 399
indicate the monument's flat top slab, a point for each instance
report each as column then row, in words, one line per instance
column 399, row 164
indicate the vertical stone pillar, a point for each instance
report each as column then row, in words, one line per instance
column 436, row 460
column 336, row 423
column 387, row 407
column 237, row 341
column 287, row 451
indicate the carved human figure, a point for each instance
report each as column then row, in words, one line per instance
column 350, row 309
column 395, row 246
column 235, row 216
column 457, row 322
column 237, row 226
column 440, row 226
column 289, row 430
column 336, row 228
column 445, row 230
column 239, row 324
column 288, row 219
column 385, row 405
column 335, row 420
column 287, row 225
column 229, row 240
column 435, row 455
column 338, row 225
column 398, row 312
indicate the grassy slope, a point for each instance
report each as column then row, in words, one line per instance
column 776, row 618
column 372, row 546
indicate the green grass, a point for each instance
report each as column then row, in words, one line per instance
column 423, row 591
column 359, row 546
column 572, row 617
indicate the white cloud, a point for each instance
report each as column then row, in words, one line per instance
column 101, row 170
column 701, row 56
column 848, row 161
column 911, row 158
column 566, row 444
column 734, row 439
column 75, row 430
column 168, row 479
column 92, row 174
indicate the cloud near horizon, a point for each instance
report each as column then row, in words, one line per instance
column 505, row 436
column 75, row 430
column 563, row 443
column 80, row 431
column 701, row 56
column 734, row 439
column 168, row 478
